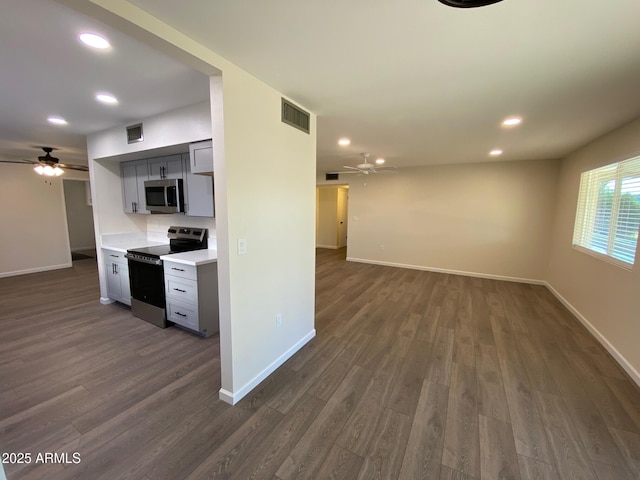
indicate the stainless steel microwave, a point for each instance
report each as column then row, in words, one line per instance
column 164, row 196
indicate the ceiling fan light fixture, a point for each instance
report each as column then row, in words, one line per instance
column 468, row 3
column 48, row 170
column 380, row 161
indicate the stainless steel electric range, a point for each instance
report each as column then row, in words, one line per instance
column 146, row 272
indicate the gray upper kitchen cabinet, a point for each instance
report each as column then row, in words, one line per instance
column 201, row 157
column 165, row 167
column 198, row 192
column 133, row 176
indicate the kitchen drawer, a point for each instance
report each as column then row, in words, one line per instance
column 181, row 289
column 182, row 314
column 180, row 270
column 114, row 256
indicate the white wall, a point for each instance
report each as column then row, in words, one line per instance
column 604, row 296
column 491, row 219
column 183, row 125
column 34, row 234
column 79, row 215
column 266, row 188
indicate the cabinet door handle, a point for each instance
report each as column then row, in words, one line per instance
column 115, row 256
column 115, row 267
column 181, row 314
column 177, row 269
column 180, row 290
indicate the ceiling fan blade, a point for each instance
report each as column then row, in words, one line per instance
column 81, row 168
column 23, row 161
column 350, row 171
column 350, row 168
column 386, row 171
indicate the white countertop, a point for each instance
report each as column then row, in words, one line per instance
column 129, row 244
column 123, row 242
column 194, row 257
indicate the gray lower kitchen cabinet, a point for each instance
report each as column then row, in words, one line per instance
column 133, row 176
column 192, row 296
column 117, row 273
column 198, row 192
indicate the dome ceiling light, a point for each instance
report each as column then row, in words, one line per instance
column 468, row 3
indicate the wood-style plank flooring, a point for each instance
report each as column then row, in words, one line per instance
column 412, row 375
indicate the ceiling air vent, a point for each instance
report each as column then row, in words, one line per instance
column 331, row 176
column 134, row 133
column 295, row 116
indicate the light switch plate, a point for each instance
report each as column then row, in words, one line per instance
column 242, row 246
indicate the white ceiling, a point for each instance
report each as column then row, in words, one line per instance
column 413, row 81
column 46, row 71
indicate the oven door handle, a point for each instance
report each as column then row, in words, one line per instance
column 141, row 259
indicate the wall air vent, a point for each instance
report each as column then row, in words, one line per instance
column 134, row 133
column 295, row 116
column 331, row 176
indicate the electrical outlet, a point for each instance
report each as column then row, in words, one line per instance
column 278, row 320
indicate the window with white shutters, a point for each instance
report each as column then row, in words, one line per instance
column 608, row 214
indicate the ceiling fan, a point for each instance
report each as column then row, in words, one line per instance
column 365, row 168
column 468, row 3
column 49, row 165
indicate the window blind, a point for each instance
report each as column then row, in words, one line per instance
column 608, row 214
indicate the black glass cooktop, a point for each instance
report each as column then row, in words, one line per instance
column 158, row 250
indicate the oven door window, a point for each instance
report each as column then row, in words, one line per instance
column 147, row 283
column 155, row 196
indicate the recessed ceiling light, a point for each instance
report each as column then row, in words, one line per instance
column 344, row 142
column 495, row 152
column 56, row 120
column 106, row 98
column 511, row 121
column 94, row 40
column 380, row 161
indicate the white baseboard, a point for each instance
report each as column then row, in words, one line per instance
column 451, row 272
column 331, row 247
column 35, row 270
column 234, row 397
column 106, row 300
column 624, row 363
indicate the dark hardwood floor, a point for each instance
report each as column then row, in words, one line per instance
column 412, row 375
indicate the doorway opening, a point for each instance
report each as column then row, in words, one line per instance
column 332, row 215
column 79, row 210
